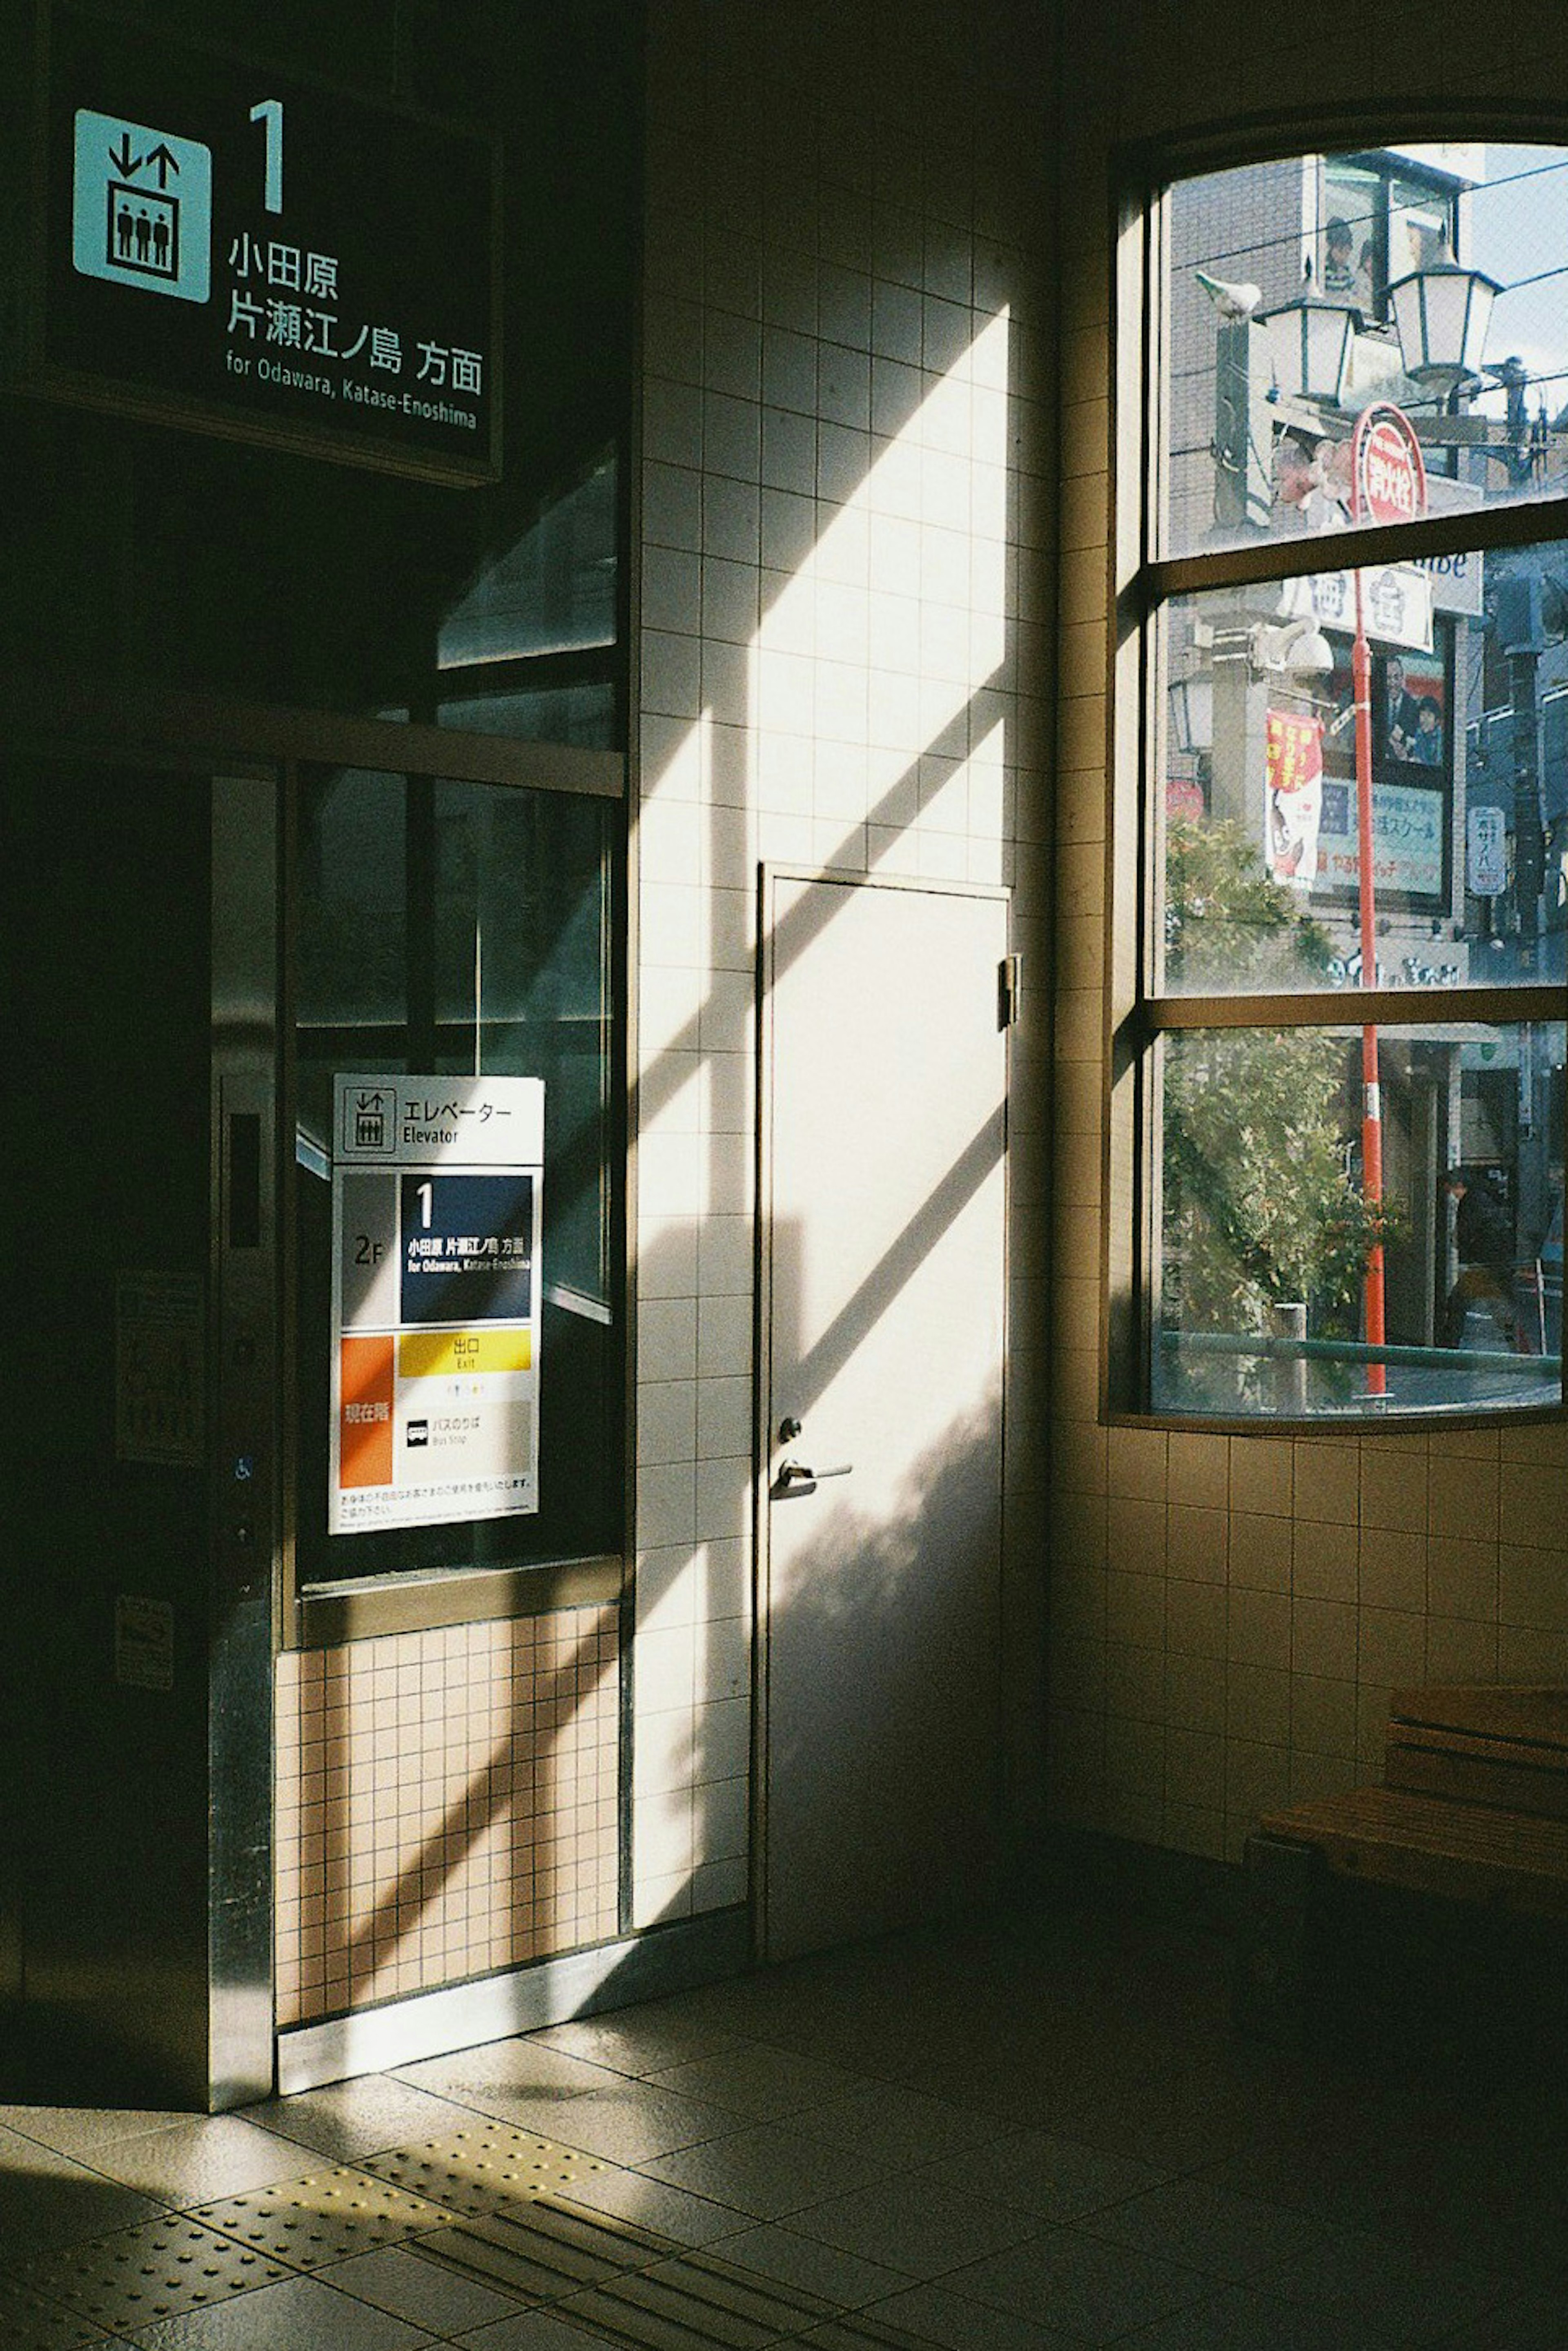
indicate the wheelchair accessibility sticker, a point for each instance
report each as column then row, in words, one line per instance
column 142, row 208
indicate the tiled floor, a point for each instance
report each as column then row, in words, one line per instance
column 1040, row 2132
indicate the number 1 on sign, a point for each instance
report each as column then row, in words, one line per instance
column 426, row 1194
column 270, row 113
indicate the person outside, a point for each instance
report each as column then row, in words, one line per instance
column 1404, row 708
column 1426, row 748
column 1339, row 268
column 1483, row 1239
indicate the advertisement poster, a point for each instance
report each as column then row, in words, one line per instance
column 1415, row 711
column 1294, row 797
column 1408, row 838
column 436, row 1221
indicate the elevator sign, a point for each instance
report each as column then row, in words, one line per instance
column 265, row 260
column 142, row 208
column 437, row 1222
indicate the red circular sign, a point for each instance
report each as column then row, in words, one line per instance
column 1390, row 479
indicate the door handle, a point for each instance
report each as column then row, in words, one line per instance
column 793, row 1474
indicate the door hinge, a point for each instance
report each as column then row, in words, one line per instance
column 1006, row 991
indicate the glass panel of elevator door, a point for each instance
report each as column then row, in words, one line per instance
column 451, row 930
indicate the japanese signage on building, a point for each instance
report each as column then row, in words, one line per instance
column 265, row 260
column 1409, row 825
column 1294, row 797
column 1397, row 600
column 436, row 1215
column 1486, row 852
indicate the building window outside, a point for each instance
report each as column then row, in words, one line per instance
column 1379, row 220
column 1338, row 1088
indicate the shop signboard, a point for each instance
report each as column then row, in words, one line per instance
column 1457, row 576
column 1388, row 477
column 1456, row 582
column 1409, row 825
column 1486, row 852
column 249, row 255
column 1398, row 602
column 436, row 1279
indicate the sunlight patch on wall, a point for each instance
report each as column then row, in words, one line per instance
column 867, row 663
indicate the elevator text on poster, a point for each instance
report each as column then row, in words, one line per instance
column 437, row 1222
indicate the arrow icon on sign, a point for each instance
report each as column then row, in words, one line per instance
column 124, row 161
column 166, row 162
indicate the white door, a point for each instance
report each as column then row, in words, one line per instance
column 883, row 1110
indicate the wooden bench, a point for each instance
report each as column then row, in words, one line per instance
column 1473, row 1810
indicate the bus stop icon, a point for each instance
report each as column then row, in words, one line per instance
column 141, row 207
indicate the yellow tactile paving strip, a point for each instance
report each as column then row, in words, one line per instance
column 154, row 2271
column 853, row 2331
column 631, row 2287
column 485, row 2170
column 28, row 2323
column 543, row 2251
column 488, row 2203
column 325, row 2216
column 697, row 2300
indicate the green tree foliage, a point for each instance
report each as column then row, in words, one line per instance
column 1260, row 1208
column 1230, row 928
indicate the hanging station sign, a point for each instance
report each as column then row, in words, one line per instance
column 241, row 253
column 436, row 1218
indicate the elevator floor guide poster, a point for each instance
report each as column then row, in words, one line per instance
column 435, row 1299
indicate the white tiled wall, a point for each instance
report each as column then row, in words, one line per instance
column 844, row 439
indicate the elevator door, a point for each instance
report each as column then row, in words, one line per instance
column 883, row 1146
column 138, row 905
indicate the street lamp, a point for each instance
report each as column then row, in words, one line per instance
column 1442, row 315
column 1312, row 343
column 1192, row 712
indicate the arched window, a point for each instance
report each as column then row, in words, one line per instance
column 1337, row 1094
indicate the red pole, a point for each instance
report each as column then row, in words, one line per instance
column 1388, row 483
column 1371, row 1091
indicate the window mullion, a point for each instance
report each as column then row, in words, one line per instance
column 1352, row 1008
column 1469, row 531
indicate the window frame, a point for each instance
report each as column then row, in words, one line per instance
column 1143, row 579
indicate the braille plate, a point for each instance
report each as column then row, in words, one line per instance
column 154, row 2271
column 485, row 2170
column 322, row 2217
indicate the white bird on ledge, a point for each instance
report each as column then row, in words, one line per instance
column 1230, row 301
